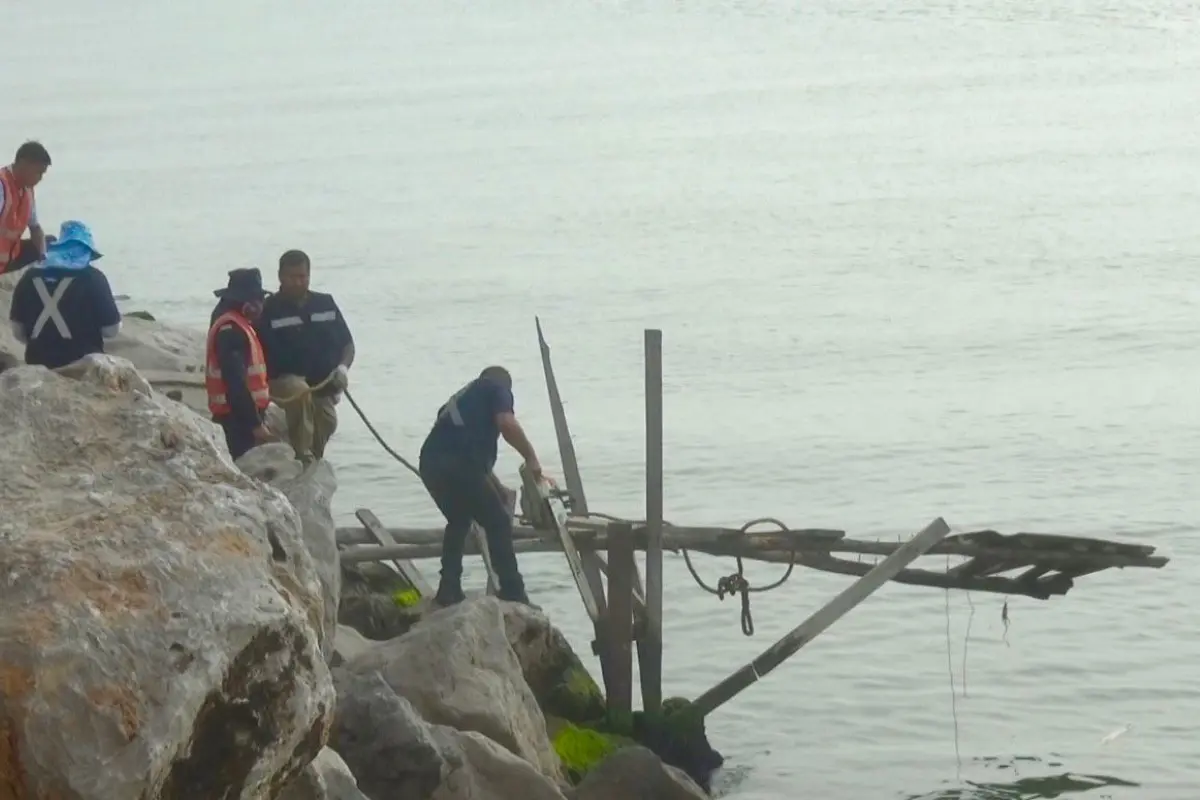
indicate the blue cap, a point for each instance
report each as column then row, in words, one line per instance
column 74, row 248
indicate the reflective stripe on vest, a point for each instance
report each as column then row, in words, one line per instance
column 256, row 369
column 14, row 216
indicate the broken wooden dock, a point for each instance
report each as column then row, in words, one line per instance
column 626, row 610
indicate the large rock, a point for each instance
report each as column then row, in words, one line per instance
column 397, row 755
column 371, row 601
column 635, row 773
column 311, row 492
column 326, row 778
column 559, row 680
column 458, row 669
column 161, row 615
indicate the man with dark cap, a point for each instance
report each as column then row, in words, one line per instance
column 235, row 376
column 456, row 467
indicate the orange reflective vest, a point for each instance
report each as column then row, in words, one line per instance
column 14, row 216
column 256, row 369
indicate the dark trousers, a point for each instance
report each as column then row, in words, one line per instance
column 25, row 256
column 465, row 493
column 239, row 437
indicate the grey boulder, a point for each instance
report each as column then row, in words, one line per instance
column 635, row 773
column 326, row 778
column 310, row 491
column 397, row 755
column 161, row 615
column 457, row 669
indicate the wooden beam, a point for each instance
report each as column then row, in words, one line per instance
column 589, row 560
column 650, row 643
column 406, row 568
column 825, row 617
column 617, row 641
column 558, row 513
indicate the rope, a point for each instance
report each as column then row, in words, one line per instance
column 736, row 582
column 727, row 586
column 379, row 438
column 305, row 392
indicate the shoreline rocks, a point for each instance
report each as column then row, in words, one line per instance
column 162, row 617
column 178, row 627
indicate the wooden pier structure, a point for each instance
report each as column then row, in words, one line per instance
column 626, row 610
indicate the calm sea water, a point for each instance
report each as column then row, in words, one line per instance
column 910, row 260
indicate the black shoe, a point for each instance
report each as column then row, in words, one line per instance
column 448, row 595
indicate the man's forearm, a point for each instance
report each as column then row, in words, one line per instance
column 515, row 436
column 38, row 237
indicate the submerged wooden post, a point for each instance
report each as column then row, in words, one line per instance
column 618, row 622
column 828, row 614
column 650, row 644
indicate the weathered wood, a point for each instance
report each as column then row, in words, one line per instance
column 826, row 616
column 406, row 568
column 590, row 561
column 650, row 643
column 1028, row 547
column 617, row 641
column 559, row 514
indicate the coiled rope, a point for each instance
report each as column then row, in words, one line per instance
column 308, row 392
column 736, row 583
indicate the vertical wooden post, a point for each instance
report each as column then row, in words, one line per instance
column 650, row 646
column 618, row 633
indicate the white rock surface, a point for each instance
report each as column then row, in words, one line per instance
column 326, row 778
column 161, row 615
column 311, row 492
column 397, row 755
column 457, row 669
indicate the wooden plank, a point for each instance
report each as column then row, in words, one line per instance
column 566, row 447
column 618, row 627
column 826, row 616
column 589, row 560
column 406, row 568
column 650, row 644
column 559, row 515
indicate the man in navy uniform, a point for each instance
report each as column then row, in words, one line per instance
column 456, row 467
column 62, row 307
column 306, row 340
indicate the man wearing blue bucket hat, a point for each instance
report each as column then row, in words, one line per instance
column 63, row 307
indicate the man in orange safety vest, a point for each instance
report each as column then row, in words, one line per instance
column 18, row 208
column 235, row 369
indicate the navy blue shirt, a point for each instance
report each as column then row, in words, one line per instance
column 70, row 325
column 465, row 429
column 306, row 340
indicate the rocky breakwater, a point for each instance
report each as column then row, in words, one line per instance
column 487, row 701
column 162, row 619
column 167, row 619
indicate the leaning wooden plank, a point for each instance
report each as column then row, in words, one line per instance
column 826, row 616
column 589, row 561
column 559, row 516
column 407, row 569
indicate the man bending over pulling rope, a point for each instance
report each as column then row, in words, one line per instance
column 456, row 464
